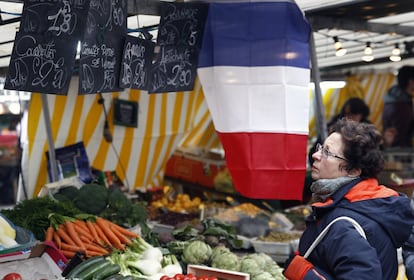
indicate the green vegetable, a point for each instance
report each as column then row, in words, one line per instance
column 249, row 265
column 197, row 252
column 263, row 276
column 115, row 277
column 92, row 198
column 122, row 211
column 133, row 260
column 145, row 266
column 83, row 266
column 218, row 250
column 171, row 266
column 118, row 200
column 66, row 192
column 33, row 214
column 89, row 272
column 109, row 270
column 226, row 260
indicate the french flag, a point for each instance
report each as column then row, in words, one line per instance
column 254, row 69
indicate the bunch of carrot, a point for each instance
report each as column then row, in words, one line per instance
column 92, row 237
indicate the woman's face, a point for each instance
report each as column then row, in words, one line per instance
column 326, row 165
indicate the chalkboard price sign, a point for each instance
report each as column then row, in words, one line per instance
column 136, row 62
column 40, row 66
column 44, row 49
column 102, row 46
column 179, row 37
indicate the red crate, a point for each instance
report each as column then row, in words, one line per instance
column 194, row 168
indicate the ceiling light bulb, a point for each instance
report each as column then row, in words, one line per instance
column 338, row 47
column 396, row 51
column 395, row 54
column 368, row 49
column 340, row 52
column 368, row 58
column 395, row 58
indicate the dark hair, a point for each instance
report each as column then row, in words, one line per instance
column 361, row 147
column 356, row 106
column 405, row 74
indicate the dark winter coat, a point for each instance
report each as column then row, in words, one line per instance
column 398, row 113
column 386, row 218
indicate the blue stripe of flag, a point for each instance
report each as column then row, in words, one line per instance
column 255, row 34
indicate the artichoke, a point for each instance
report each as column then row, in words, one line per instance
column 197, row 252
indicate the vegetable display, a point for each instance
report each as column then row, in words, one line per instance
column 93, row 236
column 33, row 214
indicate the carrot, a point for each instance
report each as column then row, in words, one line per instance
column 104, row 225
column 70, row 228
column 101, row 235
column 85, row 239
column 68, row 254
column 57, row 240
column 92, row 230
column 64, row 236
column 82, row 224
column 69, row 247
column 90, row 253
column 96, row 248
column 125, row 232
column 49, row 234
column 82, row 231
column 121, row 237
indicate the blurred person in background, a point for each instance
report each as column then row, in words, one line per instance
column 354, row 109
column 397, row 115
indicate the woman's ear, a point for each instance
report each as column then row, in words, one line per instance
column 356, row 172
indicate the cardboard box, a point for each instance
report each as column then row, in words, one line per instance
column 43, row 261
column 194, row 166
column 222, row 274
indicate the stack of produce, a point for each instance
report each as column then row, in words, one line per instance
column 90, row 235
column 181, row 202
column 139, row 260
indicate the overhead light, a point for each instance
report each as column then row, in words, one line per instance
column 396, row 53
column 338, row 47
column 368, row 57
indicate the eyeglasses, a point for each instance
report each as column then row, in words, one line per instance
column 326, row 153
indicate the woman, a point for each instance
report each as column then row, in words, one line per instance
column 344, row 170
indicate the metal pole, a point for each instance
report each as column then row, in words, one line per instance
column 319, row 108
column 52, row 157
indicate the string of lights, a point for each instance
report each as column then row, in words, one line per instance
column 368, row 51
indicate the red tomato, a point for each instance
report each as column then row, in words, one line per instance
column 179, row 277
column 12, row 276
column 190, row 277
column 165, row 277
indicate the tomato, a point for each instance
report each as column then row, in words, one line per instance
column 179, row 277
column 190, row 277
column 166, row 277
column 12, row 276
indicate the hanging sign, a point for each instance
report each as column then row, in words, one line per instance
column 136, row 62
column 102, row 47
column 44, row 49
column 179, row 40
